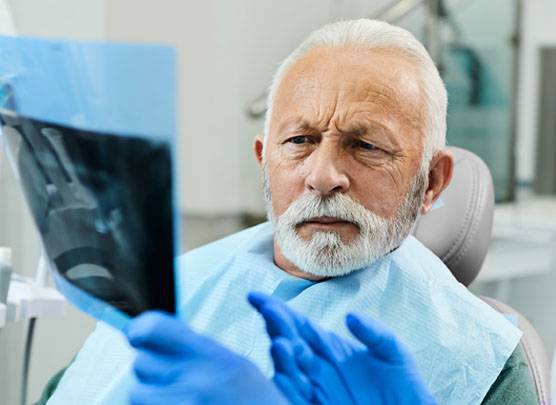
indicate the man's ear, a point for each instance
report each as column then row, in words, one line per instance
column 440, row 174
column 258, row 149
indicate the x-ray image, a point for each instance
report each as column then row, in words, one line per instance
column 103, row 206
column 90, row 130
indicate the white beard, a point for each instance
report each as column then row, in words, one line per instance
column 326, row 255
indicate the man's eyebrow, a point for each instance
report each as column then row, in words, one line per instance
column 370, row 128
column 367, row 128
column 359, row 130
column 298, row 123
column 355, row 129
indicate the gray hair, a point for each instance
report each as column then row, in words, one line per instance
column 372, row 34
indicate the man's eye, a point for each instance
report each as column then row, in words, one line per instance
column 298, row 140
column 365, row 145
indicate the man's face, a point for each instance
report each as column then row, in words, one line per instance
column 345, row 123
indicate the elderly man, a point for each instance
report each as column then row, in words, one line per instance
column 352, row 153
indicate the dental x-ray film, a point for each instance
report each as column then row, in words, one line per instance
column 89, row 129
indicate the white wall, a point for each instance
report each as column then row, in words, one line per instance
column 206, row 38
column 538, row 30
column 81, row 19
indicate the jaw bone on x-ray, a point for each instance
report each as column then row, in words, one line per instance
column 102, row 199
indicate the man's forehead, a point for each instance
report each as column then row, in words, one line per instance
column 374, row 80
column 383, row 91
column 357, row 69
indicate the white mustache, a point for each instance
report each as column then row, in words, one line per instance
column 337, row 206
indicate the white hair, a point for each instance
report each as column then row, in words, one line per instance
column 373, row 34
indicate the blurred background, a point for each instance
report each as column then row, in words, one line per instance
column 497, row 58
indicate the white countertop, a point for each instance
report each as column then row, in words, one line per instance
column 523, row 240
column 27, row 300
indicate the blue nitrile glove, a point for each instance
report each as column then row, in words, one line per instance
column 337, row 370
column 175, row 365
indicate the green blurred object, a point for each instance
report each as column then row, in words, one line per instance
column 478, row 50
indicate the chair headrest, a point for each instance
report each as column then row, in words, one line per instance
column 459, row 229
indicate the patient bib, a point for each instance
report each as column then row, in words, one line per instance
column 459, row 342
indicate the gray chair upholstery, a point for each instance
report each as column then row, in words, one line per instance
column 459, row 232
column 469, row 210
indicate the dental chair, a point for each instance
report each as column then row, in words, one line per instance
column 459, row 232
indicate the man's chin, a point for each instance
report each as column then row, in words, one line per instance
column 329, row 260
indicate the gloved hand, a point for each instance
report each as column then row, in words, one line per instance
column 323, row 368
column 174, row 365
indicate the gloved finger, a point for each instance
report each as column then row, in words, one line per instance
column 262, row 301
column 320, row 397
column 297, row 324
column 281, row 319
column 141, row 395
column 164, row 333
column 284, row 321
column 324, row 343
column 329, row 386
column 148, row 394
column 259, row 299
column 379, row 340
column 305, row 358
column 294, row 325
column 283, row 356
column 289, row 389
column 154, row 368
column 278, row 321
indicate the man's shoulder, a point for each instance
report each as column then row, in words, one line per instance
column 514, row 384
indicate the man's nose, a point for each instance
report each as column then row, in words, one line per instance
column 327, row 174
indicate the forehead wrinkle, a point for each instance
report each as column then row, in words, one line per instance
column 298, row 122
column 381, row 97
column 379, row 94
column 323, row 104
column 361, row 127
column 359, row 118
column 312, row 97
